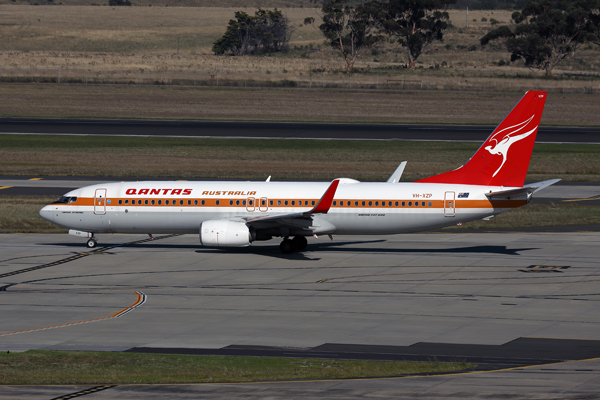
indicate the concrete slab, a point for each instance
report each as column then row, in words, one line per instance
column 398, row 290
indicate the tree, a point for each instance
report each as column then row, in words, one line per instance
column 415, row 23
column 114, row 3
column 350, row 29
column 548, row 31
column 266, row 31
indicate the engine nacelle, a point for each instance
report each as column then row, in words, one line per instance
column 225, row 233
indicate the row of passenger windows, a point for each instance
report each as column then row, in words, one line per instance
column 160, row 202
column 383, row 203
column 342, row 203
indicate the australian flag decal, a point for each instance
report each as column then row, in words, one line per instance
column 463, row 195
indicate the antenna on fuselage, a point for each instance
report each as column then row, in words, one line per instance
column 268, row 179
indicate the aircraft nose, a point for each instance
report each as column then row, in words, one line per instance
column 47, row 214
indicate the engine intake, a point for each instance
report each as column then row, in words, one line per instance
column 225, row 233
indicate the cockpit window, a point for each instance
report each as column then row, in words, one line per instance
column 66, row 200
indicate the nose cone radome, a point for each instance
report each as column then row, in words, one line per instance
column 46, row 213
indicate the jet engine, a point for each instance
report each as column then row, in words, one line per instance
column 225, row 233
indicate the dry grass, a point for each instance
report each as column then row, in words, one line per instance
column 283, row 159
column 539, row 215
column 283, row 104
column 139, row 44
column 20, row 214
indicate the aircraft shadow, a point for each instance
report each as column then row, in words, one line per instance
column 273, row 251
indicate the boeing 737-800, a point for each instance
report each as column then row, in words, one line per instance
column 235, row 214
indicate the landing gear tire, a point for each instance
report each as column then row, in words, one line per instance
column 92, row 243
column 287, row 246
column 299, row 243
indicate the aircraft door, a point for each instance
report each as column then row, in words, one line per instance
column 264, row 204
column 100, row 202
column 449, row 204
column 250, row 204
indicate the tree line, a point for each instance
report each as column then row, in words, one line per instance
column 544, row 32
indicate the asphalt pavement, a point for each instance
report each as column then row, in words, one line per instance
column 280, row 130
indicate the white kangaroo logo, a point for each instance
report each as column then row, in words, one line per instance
column 501, row 147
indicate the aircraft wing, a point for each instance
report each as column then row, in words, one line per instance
column 292, row 219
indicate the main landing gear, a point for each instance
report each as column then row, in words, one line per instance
column 92, row 242
column 298, row 243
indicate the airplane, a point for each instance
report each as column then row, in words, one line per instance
column 235, row 214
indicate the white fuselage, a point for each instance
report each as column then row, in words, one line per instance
column 358, row 208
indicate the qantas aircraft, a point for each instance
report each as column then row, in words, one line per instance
column 235, row 214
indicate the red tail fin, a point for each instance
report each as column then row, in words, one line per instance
column 504, row 157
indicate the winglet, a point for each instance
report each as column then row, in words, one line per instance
column 395, row 177
column 324, row 204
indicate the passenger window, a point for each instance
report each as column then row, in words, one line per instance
column 383, row 204
column 278, row 202
column 120, row 201
column 250, row 202
column 312, row 202
column 306, row 202
column 285, row 202
column 237, row 202
column 202, row 202
column 166, row 202
column 159, row 202
column 416, row 204
column 334, row 203
column 363, row 203
column 146, row 202
column 390, row 203
column 127, row 201
column 217, row 202
column 180, row 202
column 243, row 202
column 230, row 202
column 189, row 202
column 152, row 202
column 410, row 203
column 294, row 202
column 356, row 203
column 195, row 202
column 429, row 204
column 140, row 202
column 270, row 202
column 396, row 204
column 376, row 203
column 422, row 204
column 403, row 203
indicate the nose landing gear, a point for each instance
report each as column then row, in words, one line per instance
column 288, row 246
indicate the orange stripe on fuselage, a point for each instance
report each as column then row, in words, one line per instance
column 114, row 202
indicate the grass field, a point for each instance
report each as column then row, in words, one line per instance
column 70, row 368
column 183, row 158
column 140, row 44
column 333, row 105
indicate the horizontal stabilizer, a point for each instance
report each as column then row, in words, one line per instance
column 529, row 188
